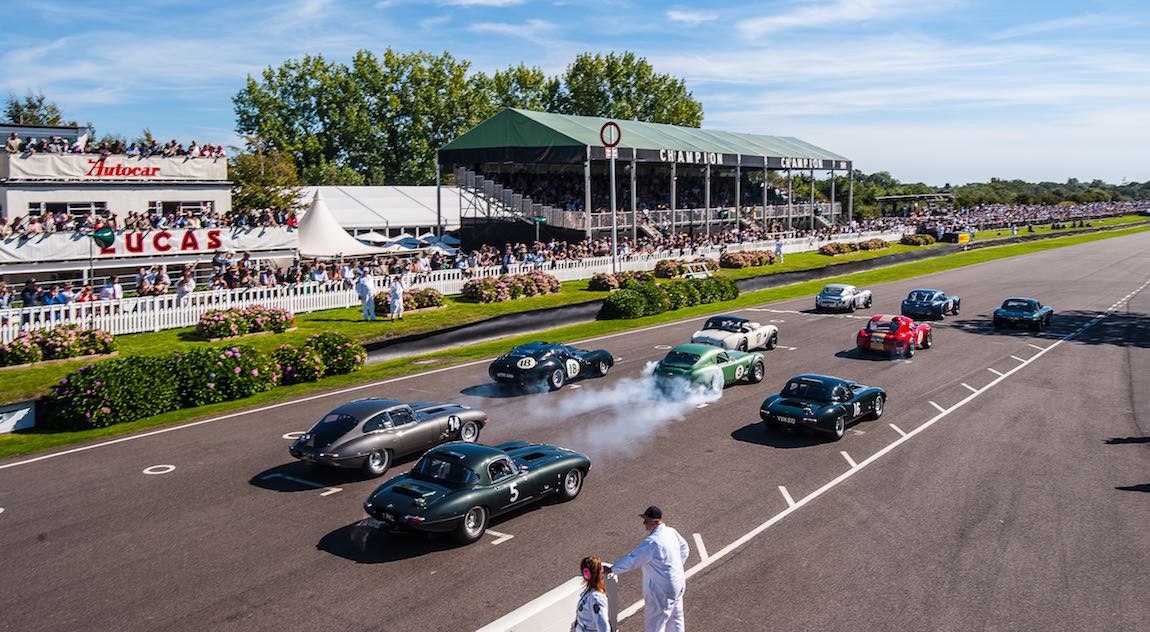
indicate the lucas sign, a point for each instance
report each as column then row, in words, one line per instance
column 154, row 243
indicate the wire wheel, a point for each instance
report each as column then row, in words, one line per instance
column 469, row 432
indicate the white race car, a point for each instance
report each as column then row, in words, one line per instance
column 840, row 296
column 733, row 332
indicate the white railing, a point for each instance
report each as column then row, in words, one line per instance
column 172, row 311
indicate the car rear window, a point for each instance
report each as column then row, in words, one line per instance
column 680, row 358
column 834, row 290
column 1016, row 305
column 442, row 471
column 332, row 427
column 882, row 325
column 804, row 389
column 921, row 297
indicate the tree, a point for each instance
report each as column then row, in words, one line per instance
column 524, row 88
column 34, row 109
column 264, row 179
column 625, row 86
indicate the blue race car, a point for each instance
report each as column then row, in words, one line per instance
column 929, row 304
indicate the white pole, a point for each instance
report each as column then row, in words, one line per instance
column 614, row 216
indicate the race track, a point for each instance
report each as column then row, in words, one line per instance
column 1004, row 489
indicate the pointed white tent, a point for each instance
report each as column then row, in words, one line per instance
column 321, row 236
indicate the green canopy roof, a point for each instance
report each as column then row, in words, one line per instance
column 513, row 135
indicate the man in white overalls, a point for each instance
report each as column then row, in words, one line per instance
column 365, row 289
column 661, row 556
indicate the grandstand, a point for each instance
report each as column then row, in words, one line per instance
column 521, row 167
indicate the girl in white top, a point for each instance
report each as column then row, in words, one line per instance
column 591, row 614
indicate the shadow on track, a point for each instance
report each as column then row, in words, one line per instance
column 855, row 354
column 1121, row 440
column 787, row 438
column 1124, row 329
column 495, row 390
column 298, row 476
column 1144, row 487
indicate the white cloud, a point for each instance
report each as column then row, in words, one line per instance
column 835, row 12
column 535, row 31
column 481, row 3
column 694, row 18
column 1059, row 24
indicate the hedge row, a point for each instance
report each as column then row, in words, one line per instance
column 746, row 259
column 237, row 321
column 917, row 240
column 510, row 287
column 841, row 248
column 638, row 299
column 607, row 281
column 673, row 268
column 412, row 299
column 127, row 389
column 63, row 341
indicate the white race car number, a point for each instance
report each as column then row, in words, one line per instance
column 454, row 423
column 572, row 367
column 514, row 492
column 858, row 409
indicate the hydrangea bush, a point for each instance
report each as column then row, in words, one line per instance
column 607, row 281
column 412, row 299
column 238, row 321
column 636, row 300
column 298, row 364
column 917, row 240
column 63, row 341
column 339, row 353
column 672, row 268
column 207, row 376
column 510, row 287
column 746, row 259
column 111, row 392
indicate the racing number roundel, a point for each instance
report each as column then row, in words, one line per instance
column 526, row 363
column 740, row 371
column 572, row 367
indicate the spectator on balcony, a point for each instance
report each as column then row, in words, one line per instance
column 86, row 295
column 31, row 294
column 160, row 280
column 144, row 282
column 217, row 283
column 319, row 274
column 5, row 296
column 186, row 285
column 67, row 293
column 12, row 145
column 112, row 290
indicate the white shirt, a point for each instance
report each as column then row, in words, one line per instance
column 365, row 287
column 111, row 292
column 591, row 616
column 661, row 555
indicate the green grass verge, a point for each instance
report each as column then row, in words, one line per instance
column 25, row 443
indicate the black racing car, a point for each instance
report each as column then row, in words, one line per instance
column 823, row 403
column 371, row 433
column 459, row 487
column 930, row 304
column 549, row 363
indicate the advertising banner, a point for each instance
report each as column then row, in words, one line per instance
column 176, row 241
column 94, row 168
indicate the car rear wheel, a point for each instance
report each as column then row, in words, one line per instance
column 879, row 404
column 742, row 345
column 472, row 526
column 556, row 379
column 910, row 348
column 572, row 484
column 772, row 342
column 954, row 309
column 852, row 306
column 928, row 340
column 469, row 432
column 377, row 463
column 603, row 366
column 757, row 372
column 868, row 302
column 840, row 428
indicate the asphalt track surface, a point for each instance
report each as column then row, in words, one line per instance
column 1018, row 500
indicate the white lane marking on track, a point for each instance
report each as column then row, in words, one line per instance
column 969, row 387
column 897, row 429
column 499, row 537
column 787, row 496
column 294, row 435
column 159, row 469
column 786, row 347
column 1, row 510
column 1018, row 358
column 300, row 481
column 858, row 431
column 773, row 520
column 575, row 386
column 994, row 371
column 935, row 404
column 662, row 347
column 848, row 458
column 702, row 405
column 702, row 547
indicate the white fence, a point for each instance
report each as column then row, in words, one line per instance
column 172, row 311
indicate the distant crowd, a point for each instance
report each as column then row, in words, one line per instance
column 142, row 221
column 140, row 149
column 993, row 216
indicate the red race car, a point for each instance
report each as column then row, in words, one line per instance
column 894, row 335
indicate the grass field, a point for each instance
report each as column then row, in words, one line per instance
column 28, row 442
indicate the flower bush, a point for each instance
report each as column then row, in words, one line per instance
column 746, row 259
column 298, row 364
column 672, row 268
column 207, row 376
column 339, row 353
column 873, row 244
column 510, row 287
column 237, row 321
column 837, row 248
column 917, row 240
column 623, row 304
column 63, row 341
column 112, row 392
column 412, row 299
column 607, row 281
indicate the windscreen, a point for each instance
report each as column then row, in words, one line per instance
column 725, row 324
column 433, row 468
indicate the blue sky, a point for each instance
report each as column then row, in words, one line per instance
column 932, row 90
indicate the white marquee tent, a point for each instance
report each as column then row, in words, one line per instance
column 320, row 235
column 389, row 209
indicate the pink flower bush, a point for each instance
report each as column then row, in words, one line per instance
column 63, row 341
column 510, row 287
column 238, row 321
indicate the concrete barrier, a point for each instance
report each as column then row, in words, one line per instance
column 554, row 610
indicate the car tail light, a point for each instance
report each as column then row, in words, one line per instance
column 414, row 519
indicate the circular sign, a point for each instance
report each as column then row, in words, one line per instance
column 610, row 134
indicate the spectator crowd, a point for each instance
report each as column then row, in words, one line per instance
column 134, row 149
column 142, row 221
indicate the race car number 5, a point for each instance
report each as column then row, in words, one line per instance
column 514, row 492
column 453, row 423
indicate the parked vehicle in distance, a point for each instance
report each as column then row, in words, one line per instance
column 1024, row 312
column 706, row 366
column 734, row 332
column 822, row 403
column 371, row 433
column 549, row 363
column 841, row 296
column 930, row 304
column 894, row 335
column 458, row 487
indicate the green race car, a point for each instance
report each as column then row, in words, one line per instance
column 706, row 366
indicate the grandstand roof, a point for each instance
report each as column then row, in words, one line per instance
column 514, row 135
